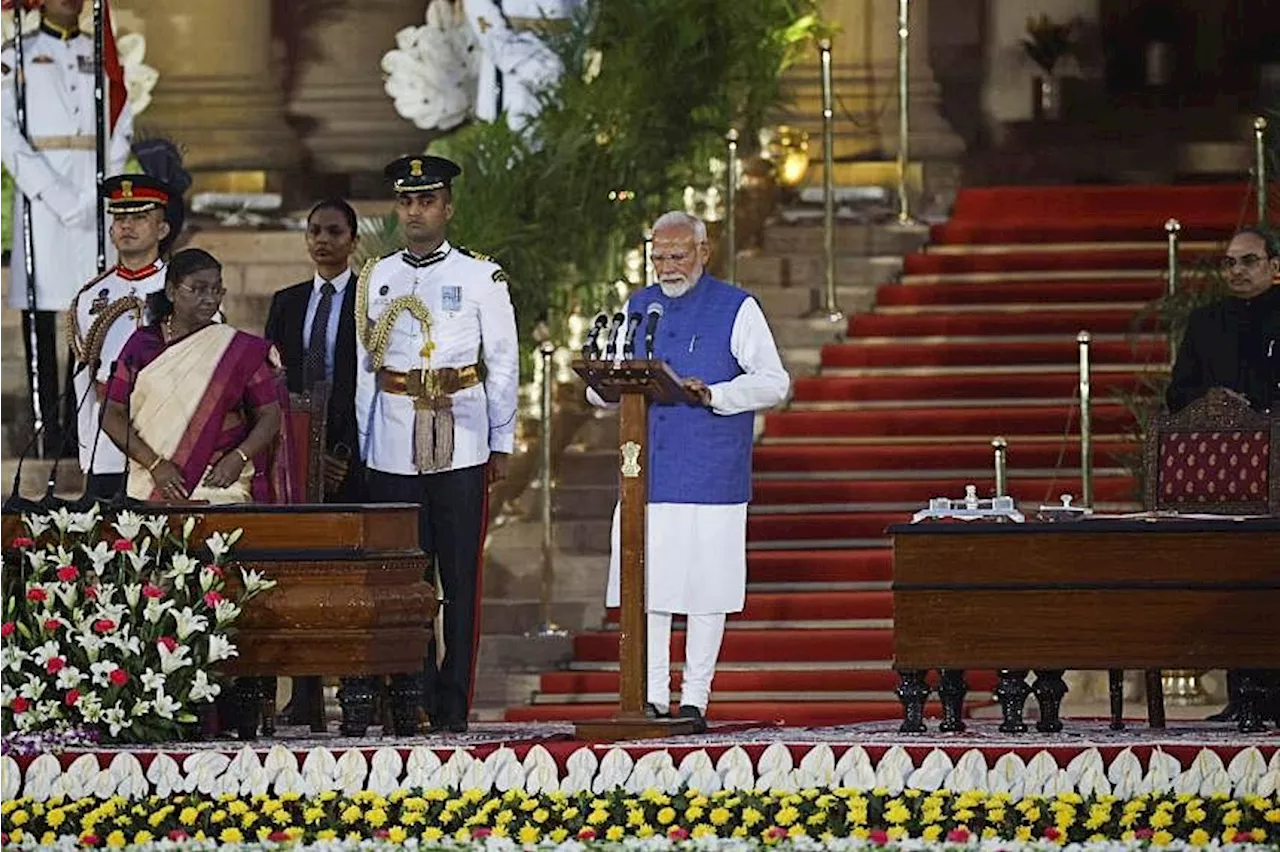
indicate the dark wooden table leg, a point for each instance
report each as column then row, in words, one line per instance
column 319, row 724
column 1115, row 690
column 912, row 691
column 1252, row 697
column 1155, row 698
column 356, row 697
column 1049, row 689
column 405, row 694
column 267, row 687
column 1012, row 692
column 248, row 707
column 952, row 690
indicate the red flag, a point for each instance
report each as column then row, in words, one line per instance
column 112, row 69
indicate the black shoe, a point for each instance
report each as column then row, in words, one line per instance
column 437, row 726
column 688, row 711
column 457, row 727
column 1230, row 713
column 652, row 711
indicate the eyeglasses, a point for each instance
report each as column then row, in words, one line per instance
column 204, row 292
column 1248, row 262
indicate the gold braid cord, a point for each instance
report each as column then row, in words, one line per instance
column 89, row 348
column 375, row 334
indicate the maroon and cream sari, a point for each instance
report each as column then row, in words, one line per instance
column 192, row 400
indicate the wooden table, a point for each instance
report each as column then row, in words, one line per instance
column 1085, row 594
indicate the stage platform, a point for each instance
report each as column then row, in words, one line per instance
column 1087, row 757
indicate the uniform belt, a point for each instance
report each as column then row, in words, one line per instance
column 64, row 143
column 428, row 384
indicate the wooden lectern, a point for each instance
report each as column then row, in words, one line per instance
column 635, row 384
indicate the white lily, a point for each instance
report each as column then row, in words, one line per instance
column 101, row 672
column 219, row 545
column 128, row 524
column 221, row 648
column 226, row 612
column 100, row 555
column 155, row 609
column 157, row 525
column 32, row 688
column 69, row 678
column 188, row 527
column 92, row 645
column 106, row 593
column 132, row 593
column 46, row 652
column 83, row 522
column 115, row 719
column 129, row 644
column 142, row 708
column 166, row 705
column 140, row 557
column 171, row 661
column 38, row 559
column 12, row 657
column 37, row 524
column 254, row 582
column 61, row 519
column 152, row 680
column 180, row 565
column 68, row 593
column 203, row 689
column 188, row 622
column 90, row 707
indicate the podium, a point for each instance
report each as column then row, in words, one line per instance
column 635, row 384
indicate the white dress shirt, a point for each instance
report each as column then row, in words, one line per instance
column 471, row 312
column 339, row 283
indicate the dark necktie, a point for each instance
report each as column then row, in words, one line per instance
column 313, row 363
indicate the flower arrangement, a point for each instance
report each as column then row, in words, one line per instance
column 115, row 629
column 1048, row 42
column 742, row 820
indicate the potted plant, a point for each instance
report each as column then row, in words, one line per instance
column 1047, row 43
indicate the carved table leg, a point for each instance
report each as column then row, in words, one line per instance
column 405, row 696
column 952, row 690
column 267, row 688
column 1049, row 689
column 356, row 697
column 912, row 691
column 1115, row 689
column 1155, row 698
column 1012, row 692
column 1252, row 696
column 248, row 707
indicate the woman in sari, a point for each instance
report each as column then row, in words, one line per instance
column 197, row 406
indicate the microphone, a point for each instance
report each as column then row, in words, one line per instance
column 15, row 502
column 629, row 346
column 651, row 327
column 611, row 342
column 591, row 349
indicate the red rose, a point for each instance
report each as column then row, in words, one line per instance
column 212, row 599
column 6, row 629
column 958, row 835
column 177, row 835
column 37, row 594
column 283, row 836
column 1051, row 833
column 118, row 677
column 71, row 698
column 122, row 545
column 23, row 541
column 879, row 837
column 90, row 839
column 168, row 643
column 1143, row 834
column 481, row 832
column 586, row 833
column 52, row 624
column 20, row 704
column 68, row 573
column 55, row 665
column 104, row 625
column 152, row 591
column 775, row 832
column 91, row 592
column 677, row 832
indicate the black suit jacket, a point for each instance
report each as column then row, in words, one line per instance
column 285, row 321
column 1232, row 344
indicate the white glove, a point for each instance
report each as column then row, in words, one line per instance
column 74, row 210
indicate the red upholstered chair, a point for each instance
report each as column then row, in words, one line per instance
column 306, row 423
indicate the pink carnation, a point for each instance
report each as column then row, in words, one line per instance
column 150, row 590
column 72, row 697
column 212, row 599
column 168, row 643
column 68, row 573
column 879, row 837
column 55, row 665
column 122, row 545
column 118, row 677
column 677, row 832
column 6, row 629
column 23, row 541
column 37, row 595
column 20, row 705
column 104, row 625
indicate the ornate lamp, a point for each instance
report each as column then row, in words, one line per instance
column 788, row 149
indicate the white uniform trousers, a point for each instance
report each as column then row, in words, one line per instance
column 702, row 649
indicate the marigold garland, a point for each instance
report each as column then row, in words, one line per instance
column 430, row 816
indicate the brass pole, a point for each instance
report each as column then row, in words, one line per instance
column 904, row 32
column 547, row 627
column 830, row 305
column 1172, row 229
column 731, row 209
column 1260, row 166
column 1086, row 422
column 1001, row 447
column 648, row 257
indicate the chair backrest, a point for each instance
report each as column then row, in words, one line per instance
column 307, row 422
column 1216, row 456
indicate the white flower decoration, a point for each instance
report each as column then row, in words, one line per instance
column 166, row 706
column 100, row 555
column 37, row 524
column 115, row 720
column 226, row 612
column 171, row 661
column 83, row 522
column 202, row 689
column 254, row 582
column 152, row 680
column 180, row 565
column 101, row 672
column 69, row 678
column 221, row 648
column 432, row 73
column 128, row 524
column 155, row 609
column 157, row 525
column 188, row 623
column 46, row 652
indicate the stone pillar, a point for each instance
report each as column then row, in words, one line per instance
column 346, row 119
column 219, row 94
column 865, row 71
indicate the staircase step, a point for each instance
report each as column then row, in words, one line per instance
column 855, row 354
column 744, row 645
column 822, row 526
column 820, row 566
column 1031, row 260
column 1108, row 419
column 985, row 386
column 806, row 606
column 807, row 270
column 1025, row 290
column 961, row 454
column 808, row 492
column 851, row 239
column 1000, row 324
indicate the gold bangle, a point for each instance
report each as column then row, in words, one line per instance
column 151, row 467
column 243, row 456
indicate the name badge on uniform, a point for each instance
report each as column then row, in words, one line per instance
column 100, row 302
column 451, row 298
column 85, row 63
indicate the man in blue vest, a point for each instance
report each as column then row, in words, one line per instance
column 715, row 336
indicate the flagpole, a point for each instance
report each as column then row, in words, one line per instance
column 102, row 137
column 28, row 241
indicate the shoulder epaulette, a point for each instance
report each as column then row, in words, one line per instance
column 94, row 280
column 475, row 254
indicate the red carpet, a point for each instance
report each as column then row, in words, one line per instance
column 999, row 357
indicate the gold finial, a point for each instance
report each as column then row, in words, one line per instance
column 1173, row 226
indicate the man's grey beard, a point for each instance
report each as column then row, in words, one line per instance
column 676, row 289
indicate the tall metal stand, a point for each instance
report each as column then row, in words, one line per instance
column 1086, row 422
column 1001, row 449
column 103, row 135
column 1172, row 228
column 28, row 240
column 731, row 208
column 547, row 627
column 1260, row 166
column 830, row 304
column 904, row 124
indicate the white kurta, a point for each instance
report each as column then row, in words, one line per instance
column 696, row 558
column 96, row 449
column 58, row 173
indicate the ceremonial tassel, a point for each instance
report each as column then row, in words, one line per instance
column 444, row 437
column 424, row 419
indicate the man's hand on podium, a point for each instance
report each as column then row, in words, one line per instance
column 497, row 467
column 698, row 388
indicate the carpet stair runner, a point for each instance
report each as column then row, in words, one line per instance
column 978, row 339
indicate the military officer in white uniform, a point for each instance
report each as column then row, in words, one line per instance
column 54, row 167
column 436, row 384
column 112, row 307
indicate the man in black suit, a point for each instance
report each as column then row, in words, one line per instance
column 313, row 326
